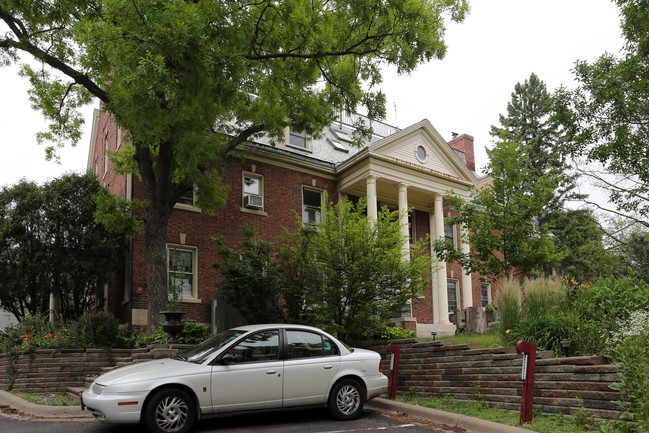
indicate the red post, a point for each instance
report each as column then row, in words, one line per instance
column 395, row 350
column 529, row 366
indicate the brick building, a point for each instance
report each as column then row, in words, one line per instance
column 405, row 168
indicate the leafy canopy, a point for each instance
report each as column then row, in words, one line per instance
column 501, row 216
column 50, row 243
column 607, row 115
column 192, row 80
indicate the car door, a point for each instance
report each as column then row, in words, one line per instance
column 312, row 361
column 250, row 375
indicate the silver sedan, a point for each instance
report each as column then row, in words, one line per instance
column 249, row 368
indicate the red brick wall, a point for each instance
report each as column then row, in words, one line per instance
column 282, row 200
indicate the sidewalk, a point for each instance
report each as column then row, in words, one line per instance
column 470, row 424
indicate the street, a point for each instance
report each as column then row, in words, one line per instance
column 300, row 421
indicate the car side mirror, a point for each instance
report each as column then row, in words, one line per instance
column 228, row 358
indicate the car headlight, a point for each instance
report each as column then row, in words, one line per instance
column 97, row 388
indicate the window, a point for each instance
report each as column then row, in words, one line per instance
column 304, row 344
column 181, row 266
column 262, row 346
column 297, row 139
column 485, row 293
column 421, row 153
column 311, row 206
column 449, row 233
column 189, row 197
column 452, row 289
column 411, row 226
column 253, row 191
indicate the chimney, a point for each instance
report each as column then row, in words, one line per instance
column 463, row 145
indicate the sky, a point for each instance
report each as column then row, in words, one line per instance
column 500, row 43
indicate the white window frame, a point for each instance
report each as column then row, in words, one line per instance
column 304, row 206
column 457, row 294
column 308, row 143
column 194, row 251
column 262, row 186
column 489, row 298
column 191, row 207
column 453, row 231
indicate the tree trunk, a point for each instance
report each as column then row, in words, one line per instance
column 156, row 259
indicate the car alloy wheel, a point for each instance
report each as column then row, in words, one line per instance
column 170, row 411
column 346, row 400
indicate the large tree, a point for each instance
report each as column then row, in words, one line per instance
column 50, row 244
column 501, row 219
column 607, row 115
column 529, row 124
column 191, row 80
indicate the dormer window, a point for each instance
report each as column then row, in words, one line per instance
column 297, row 139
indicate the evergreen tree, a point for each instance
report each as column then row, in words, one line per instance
column 529, row 124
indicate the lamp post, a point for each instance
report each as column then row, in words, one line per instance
column 566, row 342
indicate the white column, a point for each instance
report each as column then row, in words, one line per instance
column 442, row 293
column 372, row 207
column 403, row 220
column 467, row 289
column 433, row 269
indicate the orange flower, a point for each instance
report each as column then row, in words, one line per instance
column 508, row 331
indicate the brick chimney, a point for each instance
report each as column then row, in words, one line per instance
column 463, row 146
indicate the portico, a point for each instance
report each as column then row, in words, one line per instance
column 412, row 171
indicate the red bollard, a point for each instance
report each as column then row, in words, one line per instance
column 394, row 369
column 527, row 376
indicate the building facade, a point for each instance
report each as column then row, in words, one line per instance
column 411, row 168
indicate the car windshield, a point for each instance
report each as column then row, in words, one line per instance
column 199, row 353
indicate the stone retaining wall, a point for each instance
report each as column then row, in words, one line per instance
column 466, row 372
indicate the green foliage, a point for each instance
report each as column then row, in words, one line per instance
column 192, row 333
column 528, row 124
column 501, row 219
column 250, row 278
column 634, row 254
column 50, row 243
column 188, row 105
column 94, row 330
column 394, row 333
column 578, row 237
column 353, row 274
column 606, row 116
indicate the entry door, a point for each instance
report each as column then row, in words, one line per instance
column 253, row 380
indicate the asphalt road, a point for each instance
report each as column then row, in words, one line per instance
column 300, row 421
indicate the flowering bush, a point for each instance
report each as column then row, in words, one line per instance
column 92, row 330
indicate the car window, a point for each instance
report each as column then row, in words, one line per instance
column 262, row 346
column 305, row 344
column 204, row 350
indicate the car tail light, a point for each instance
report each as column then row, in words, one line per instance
column 380, row 366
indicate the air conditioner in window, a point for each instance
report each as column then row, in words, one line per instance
column 253, row 201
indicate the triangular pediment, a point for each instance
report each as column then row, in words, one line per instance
column 421, row 146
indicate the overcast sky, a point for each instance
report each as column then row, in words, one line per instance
column 500, row 43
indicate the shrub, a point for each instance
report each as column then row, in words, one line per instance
column 393, row 333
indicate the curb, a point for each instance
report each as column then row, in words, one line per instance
column 34, row 410
column 468, row 423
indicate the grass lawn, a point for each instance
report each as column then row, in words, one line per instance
column 49, row 399
column 491, row 339
column 579, row 422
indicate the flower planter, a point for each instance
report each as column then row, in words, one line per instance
column 173, row 324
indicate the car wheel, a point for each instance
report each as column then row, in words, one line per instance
column 346, row 400
column 170, row 411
